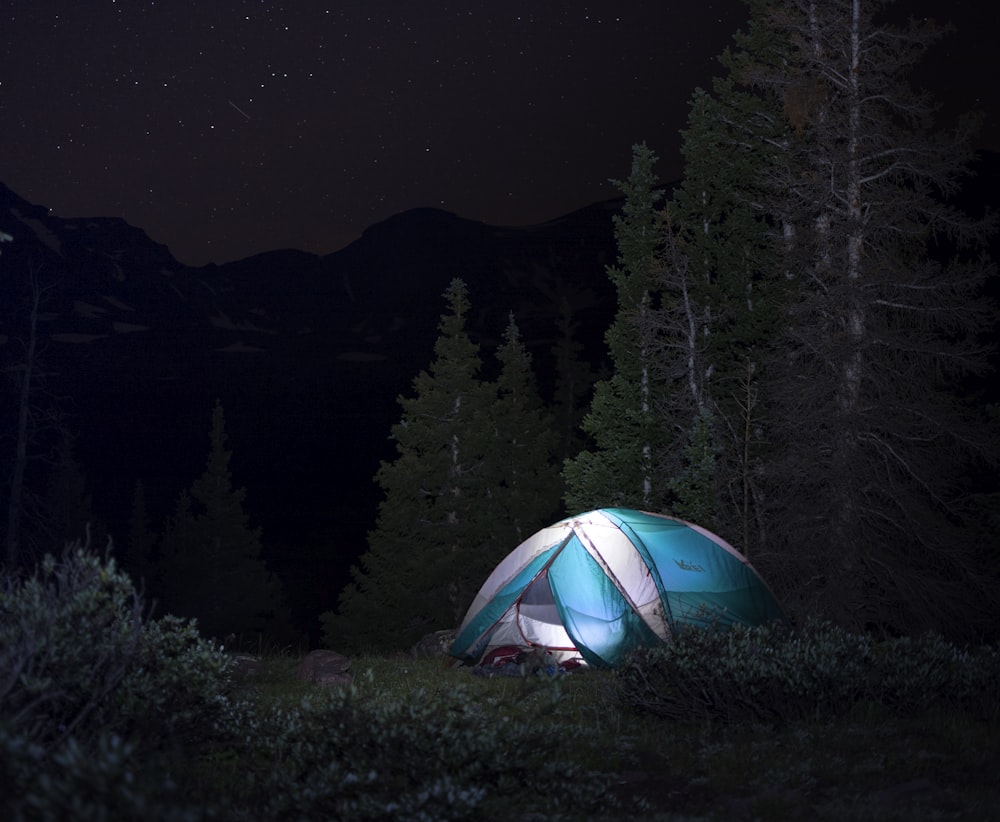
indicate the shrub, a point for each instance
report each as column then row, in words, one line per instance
column 775, row 673
column 912, row 674
column 94, row 695
column 98, row 780
column 423, row 756
column 68, row 636
column 78, row 656
column 178, row 689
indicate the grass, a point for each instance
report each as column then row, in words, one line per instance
column 864, row 766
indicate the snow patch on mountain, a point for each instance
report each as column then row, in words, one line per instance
column 226, row 323
column 127, row 328
column 240, row 347
column 42, row 231
column 361, row 356
column 88, row 310
column 121, row 306
column 77, row 338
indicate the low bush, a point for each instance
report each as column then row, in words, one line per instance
column 94, row 693
column 68, row 636
column 776, row 673
column 108, row 714
column 908, row 675
column 101, row 780
column 105, row 713
column 177, row 691
column 78, row 656
column 433, row 756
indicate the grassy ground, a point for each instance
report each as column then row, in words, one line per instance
column 866, row 766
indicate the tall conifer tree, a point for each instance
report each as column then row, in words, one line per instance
column 867, row 483
column 723, row 302
column 527, row 491
column 411, row 579
column 211, row 566
column 628, row 438
column 474, row 475
column 574, row 379
column 141, row 543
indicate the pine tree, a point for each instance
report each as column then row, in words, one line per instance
column 211, row 566
column 628, row 438
column 414, row 576
column 873, row 446
column 574, row 380
column 68, row 505
column 694, row 487
column 526, row 493
column 474, row 475
column 723, row 302
column 141, row 542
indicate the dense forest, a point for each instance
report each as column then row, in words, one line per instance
column 799, row 362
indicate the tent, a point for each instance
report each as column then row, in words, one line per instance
column 599, row 584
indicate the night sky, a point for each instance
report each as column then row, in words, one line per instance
column 228, row 128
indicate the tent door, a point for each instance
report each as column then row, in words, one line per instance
column 538, row 617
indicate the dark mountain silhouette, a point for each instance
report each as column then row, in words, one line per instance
column 307, row 354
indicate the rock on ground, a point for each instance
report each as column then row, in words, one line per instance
column 326, row 668
column 435, row 644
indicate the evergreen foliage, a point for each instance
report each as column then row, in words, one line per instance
column 628, row 439
column 426, row 755
column 68, row 503
column 210, row 557
column 473, row 476
column 694, row 488
column 574, row 380
column 527, row 489
column 797, row 327
column 433, row 515
column 96, row 699
column 873, row 444
column 139, row 553
column 80, row 658
column 105, row 714
column 728, row 294
column 777, row 674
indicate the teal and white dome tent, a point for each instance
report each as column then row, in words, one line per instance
column 597, row 585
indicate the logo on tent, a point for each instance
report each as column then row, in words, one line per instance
column 684, row 565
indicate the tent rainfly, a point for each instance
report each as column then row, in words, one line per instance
column 597, row 585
